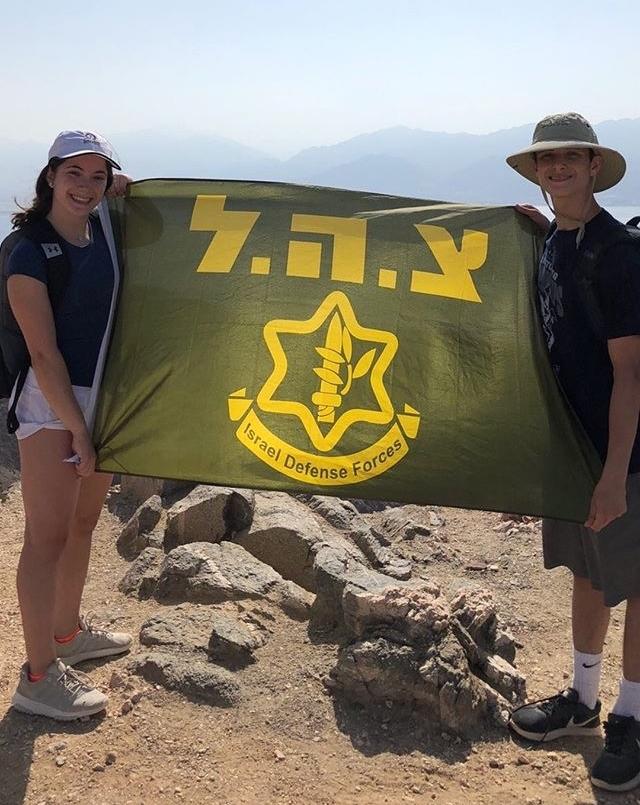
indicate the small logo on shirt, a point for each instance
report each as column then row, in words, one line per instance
column 51, row 250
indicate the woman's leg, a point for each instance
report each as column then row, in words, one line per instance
column 74, row 560
column 50, row 489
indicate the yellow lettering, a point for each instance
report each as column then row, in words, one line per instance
column 349, row 247
column 232, row 229
column 455, row 281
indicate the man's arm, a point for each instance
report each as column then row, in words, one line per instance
column 609, row 496
column 538, row 218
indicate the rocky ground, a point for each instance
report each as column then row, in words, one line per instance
column 277, row 663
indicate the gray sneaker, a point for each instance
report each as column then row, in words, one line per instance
column 63, row 693
column 91, row 643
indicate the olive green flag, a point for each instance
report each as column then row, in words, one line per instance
column 341, row 343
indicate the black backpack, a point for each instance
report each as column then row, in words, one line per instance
column 14, row 356
column 586, row 271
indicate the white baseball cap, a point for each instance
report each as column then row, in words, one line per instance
column 74, row 143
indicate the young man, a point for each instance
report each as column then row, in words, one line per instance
column 599, row 372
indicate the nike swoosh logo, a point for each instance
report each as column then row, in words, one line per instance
column 593, row 664
column 573, row 723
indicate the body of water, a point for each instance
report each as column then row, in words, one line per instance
column 621, row 213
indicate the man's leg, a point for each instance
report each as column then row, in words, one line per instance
column 589, row 617
column 574, row 711
column 589, row 620
column 618, row 767
column 631, row 655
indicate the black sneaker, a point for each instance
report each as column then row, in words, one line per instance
column 618, row 767
column 562, row 714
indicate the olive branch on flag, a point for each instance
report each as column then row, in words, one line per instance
column 337, row 354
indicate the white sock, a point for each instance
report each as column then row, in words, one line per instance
column 628, row 701
column 586, row 676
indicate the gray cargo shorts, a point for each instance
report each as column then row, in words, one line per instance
column 610, row 559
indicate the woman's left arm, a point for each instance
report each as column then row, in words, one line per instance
column 119, row 185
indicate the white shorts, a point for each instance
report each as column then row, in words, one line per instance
column 34, row 412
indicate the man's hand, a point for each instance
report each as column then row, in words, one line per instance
column 119, row 185
column 608, row 502
column 538, row 218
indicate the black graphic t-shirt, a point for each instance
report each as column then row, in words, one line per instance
column 578, row 355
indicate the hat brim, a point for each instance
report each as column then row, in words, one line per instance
column 111, row 161
column 612, row 170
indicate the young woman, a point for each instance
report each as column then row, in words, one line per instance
column 62, row 494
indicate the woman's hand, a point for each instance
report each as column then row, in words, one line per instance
column 119, row 185
column 83, row 448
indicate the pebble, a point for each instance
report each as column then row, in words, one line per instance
column 116, row 681
column 494, row 763
column 97, row 767
column 127, row 707
column 110, row 758
column 279, row 755
column 522, row 760
column 60, row 761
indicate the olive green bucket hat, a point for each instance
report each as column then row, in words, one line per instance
column 569, row 130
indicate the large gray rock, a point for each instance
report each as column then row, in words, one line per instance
column 193, row 678
column 134, row 537
column 284, row 535
column 339, row 513
column 142, row 577
column 419, row 614
column 185, row 629
column 404, row 645
column 334, row 569
column 208, row 514
column 233, row 642
column 369, row 506
column 344, row 516
column 372, row 545
column 206, row 633
column 476, row 611
column 137, row 489
column 209, row 573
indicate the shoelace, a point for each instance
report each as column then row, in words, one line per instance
column 549, row 705
column 617, row 736
column 75, row 681
column 86, row 624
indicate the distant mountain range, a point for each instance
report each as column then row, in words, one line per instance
column 398, row 161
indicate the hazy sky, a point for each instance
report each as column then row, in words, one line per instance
column 283, row 74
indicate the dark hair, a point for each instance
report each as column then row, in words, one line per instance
column 41, row 204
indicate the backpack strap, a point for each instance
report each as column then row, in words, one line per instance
column 44, row 236
column 586, row 273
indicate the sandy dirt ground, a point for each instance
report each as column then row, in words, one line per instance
column 288, row 741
